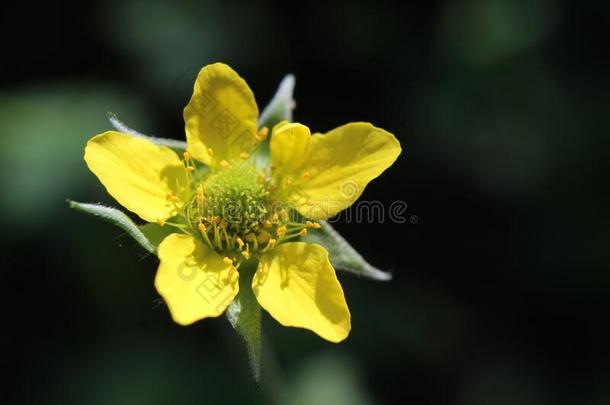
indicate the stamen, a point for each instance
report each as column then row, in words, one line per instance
column 217, row 238
column 189, row 169
column 186, row 155
column 199, row 198
column 244, row 156
column 303, row 232
column 263, row 236
column 281, row 231
column 227, row 238
column 171, row 197
column 264, row 131
column 240, row 242
column 245, row 254
column 204, row 233
column 233, row 275
column 227, row 260
column 161, row 222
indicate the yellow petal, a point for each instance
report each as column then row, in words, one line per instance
column 289, row 147
column 147, row 179
column 193, row 279
column 339, row 166
column 297, row 285
column 221, row 115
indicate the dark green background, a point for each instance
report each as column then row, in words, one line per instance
column 500, row 290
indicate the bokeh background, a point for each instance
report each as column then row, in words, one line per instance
column 501, row 275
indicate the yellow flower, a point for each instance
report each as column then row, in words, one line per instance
column 229, row 209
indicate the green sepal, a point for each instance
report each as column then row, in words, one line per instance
column 118, row 218
column 244, row 314
column 342, row 255
column 155, row 233
column 179, row 146
column 281, row 105
column 279, row 109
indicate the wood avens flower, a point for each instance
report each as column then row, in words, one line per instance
column 232, row 207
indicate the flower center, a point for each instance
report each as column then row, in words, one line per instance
column 238, row 197
column 233, row 211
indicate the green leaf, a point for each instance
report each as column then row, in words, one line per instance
column 244, row 314
column 117, row 218
column 342, row 255
column 121, row 127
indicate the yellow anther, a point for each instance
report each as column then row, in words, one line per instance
column 210, row 152
column 263, row 236
column 267, row 224
column 189, row 169
column 250, row 237
column 161, row 222
column 186, row 156
column 223, row 223
column 315, row 225
column 224, row 163
column 171, row 197
column 234, row 275
column 274, row 218
column 245, row 254
column 215, row 220
column 240, row 242
column 272, row 242
column 264, row 131
column 202, row 228
column 244, row 156
column 227, row 260
column 305, row 176
column 303, row 232
column 281, row 231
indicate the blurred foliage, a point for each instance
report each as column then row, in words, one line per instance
column 44, row 129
